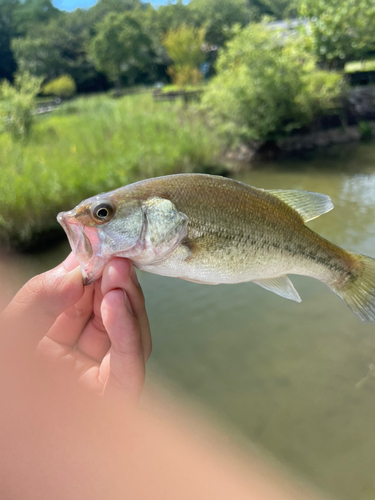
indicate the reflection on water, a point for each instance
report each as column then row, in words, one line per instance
column 289, row 376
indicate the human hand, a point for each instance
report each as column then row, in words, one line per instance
column 100, row 333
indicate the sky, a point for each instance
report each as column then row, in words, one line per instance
column 84, row 4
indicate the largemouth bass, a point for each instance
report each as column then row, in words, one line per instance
column 212, row 230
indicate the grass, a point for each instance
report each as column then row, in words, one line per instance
column 92, row 145
column 360, row 66
column 184, row 88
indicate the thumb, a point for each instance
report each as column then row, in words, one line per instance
column 42, row 299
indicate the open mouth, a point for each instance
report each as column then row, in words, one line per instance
column 86, row 247
column 78, row 240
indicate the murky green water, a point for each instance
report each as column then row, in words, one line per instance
column 288, row 376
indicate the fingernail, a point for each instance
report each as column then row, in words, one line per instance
column 74, row 274
column 127, row 304
column 70, row 262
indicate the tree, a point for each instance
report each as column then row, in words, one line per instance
column 30, row 13
column 58, row 48
column 279, row 9
column 17, row 103
column 120, row 47
column 7, row 30
column 184, row 48
column 267, row 85
column 218, row 16
column 340, row 31
column 104, row 7
column 172, row 16
column 36, row 55
column 156, row 68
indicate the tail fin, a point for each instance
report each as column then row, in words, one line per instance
column 359, row 290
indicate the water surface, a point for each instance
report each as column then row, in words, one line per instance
column 294, row 378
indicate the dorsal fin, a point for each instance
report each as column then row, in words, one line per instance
column 308, row 205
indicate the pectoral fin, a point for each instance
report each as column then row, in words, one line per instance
column 308, row 205
column 163, row 230
column 164, row 221
column 281, row 286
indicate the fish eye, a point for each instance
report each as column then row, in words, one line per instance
column 103, row 212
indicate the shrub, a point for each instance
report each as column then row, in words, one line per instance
column 268, row 84
column 17, row 103
column 184, row 48
column 63, row 86
column 185, row 76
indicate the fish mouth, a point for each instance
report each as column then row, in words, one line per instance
column 86, row 247
column 79, row 242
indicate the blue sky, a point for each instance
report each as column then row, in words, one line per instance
column 84, row 4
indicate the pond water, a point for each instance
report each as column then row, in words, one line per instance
column 294, row 378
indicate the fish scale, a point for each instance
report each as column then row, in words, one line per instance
column 211, row 230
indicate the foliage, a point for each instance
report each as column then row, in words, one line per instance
column 92, row 145
column 340, row 31
column 360, row 66
column 104, row 7
column 37, row 37
column 8, row 64
column 60, row 47
column 185, row 76
column 30, row 13
column 279, row 9
column 155, row 69
column 16, row 18
column 365, row 131
column 17, row 103
column 120, row 47
column 171, row 16
column 36, row 55
column 63, row 86
column 218, row 16
column 267, row 85
column 184, row 48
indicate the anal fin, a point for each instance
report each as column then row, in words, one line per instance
column 281, row 286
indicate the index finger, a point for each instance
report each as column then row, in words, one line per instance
column 42, row 299
column 124, row 365
column 120, row 273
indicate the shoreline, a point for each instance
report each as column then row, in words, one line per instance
column 240, row 158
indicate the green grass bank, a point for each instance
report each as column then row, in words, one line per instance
column 92, row 145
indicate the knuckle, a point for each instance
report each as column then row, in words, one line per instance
column 128, row 351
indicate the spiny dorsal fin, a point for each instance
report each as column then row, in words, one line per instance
column 308, row 205
column 281, row 285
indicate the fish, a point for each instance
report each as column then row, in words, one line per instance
column 214, row 230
